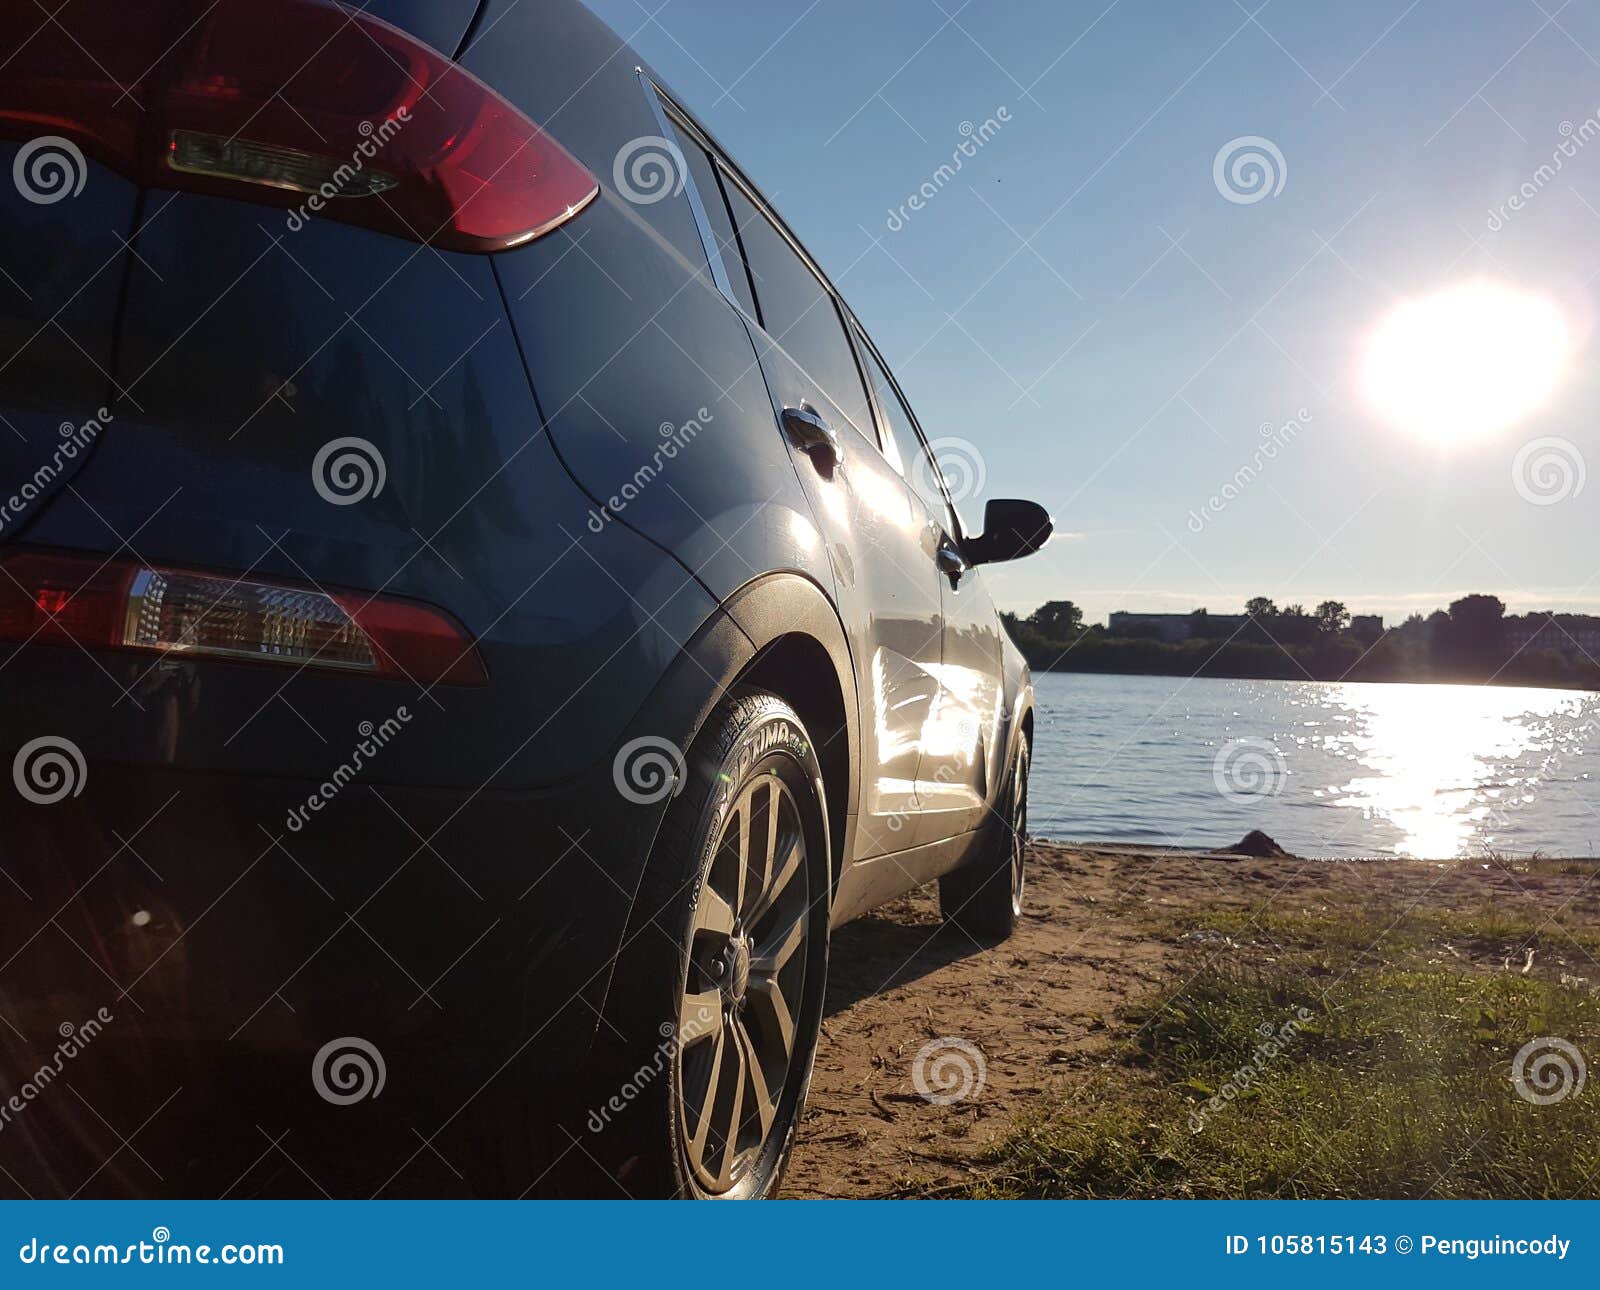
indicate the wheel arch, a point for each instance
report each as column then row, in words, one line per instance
column 779, row 632
column 782, row 633
column 798, row 670
column 1019, row 702
column 803, row 656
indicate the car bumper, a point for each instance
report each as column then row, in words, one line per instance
column 175, row 956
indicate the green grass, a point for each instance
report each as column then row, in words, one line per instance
column 1393, row 1080
column 1354, row 932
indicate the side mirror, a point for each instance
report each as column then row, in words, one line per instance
column 1011, row 530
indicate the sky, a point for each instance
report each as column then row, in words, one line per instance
column 1101, row 311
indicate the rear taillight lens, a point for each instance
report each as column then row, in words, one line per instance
column 55, row 599
column 303, row 104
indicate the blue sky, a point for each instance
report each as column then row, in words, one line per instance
column 1085, row 306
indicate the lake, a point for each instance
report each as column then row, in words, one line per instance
column 1326, row 769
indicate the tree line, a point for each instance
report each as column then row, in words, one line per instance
column 1473, row 640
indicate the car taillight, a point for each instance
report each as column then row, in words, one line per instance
column 58, row 599
column 303, row 104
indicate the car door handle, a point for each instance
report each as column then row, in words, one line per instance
column 949, row 559
column 811, row 434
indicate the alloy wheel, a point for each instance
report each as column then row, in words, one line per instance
column 1019, row 829
column 747, row 964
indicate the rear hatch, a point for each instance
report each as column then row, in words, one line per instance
column 249, row 327
column 190, row 308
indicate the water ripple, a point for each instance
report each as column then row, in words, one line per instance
column 1351, row 769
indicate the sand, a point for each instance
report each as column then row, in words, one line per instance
column 1039, row 1007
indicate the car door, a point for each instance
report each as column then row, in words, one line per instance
column 885, row 587
column 962, row 738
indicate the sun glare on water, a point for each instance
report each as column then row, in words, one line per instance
column 1466, row 361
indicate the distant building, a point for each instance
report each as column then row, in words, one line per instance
column 1576, row 635
column 1366, row 627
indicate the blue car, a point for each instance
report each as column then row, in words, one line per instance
column 476, row 611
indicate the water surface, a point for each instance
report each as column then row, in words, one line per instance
column 1325, row 768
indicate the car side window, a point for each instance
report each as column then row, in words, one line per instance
column 903, row 445
column 703, row 174
column 799, row 312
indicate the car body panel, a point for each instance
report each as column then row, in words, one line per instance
column 440, row 23
column 243, row 360
column 687, row 458
column 887, row 587
column 889, row 605
column 61, row 276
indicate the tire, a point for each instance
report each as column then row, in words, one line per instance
column 732, row 966
column 983, row 898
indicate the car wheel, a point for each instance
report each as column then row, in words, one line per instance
column 984, row 897
column 739, row 878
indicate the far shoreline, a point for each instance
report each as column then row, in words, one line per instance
column 1361, row 676
column 1475, row 642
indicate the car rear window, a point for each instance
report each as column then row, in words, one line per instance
column 703, row 173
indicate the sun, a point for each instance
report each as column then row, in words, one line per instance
column 1466, row 361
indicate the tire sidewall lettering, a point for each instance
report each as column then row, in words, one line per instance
column 775, row 734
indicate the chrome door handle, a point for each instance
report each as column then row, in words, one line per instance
column 811, row 434
column 950, row 560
